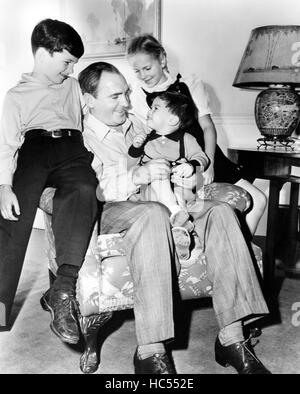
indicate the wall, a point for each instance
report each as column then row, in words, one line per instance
column 206, row 37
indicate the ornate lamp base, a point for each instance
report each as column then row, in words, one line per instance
column 276, row 142
column 277, row 112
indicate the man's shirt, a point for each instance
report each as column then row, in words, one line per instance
column 33, row 104
column 112, row 164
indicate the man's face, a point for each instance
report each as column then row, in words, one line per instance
column 112, row 100
column 58, row 66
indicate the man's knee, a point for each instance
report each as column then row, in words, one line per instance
column 156, row 209
column 222, row 210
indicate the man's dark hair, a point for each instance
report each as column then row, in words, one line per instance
column 180, row 105
column 89, row 77
column 55, row 36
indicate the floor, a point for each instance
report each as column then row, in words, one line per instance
column 31, row 348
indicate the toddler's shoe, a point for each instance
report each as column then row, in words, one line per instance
column 181, row 219
column 182, row 241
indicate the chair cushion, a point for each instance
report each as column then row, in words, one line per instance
column 192, row 280
column 105, row 283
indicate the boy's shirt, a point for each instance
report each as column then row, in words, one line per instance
column 33, row 104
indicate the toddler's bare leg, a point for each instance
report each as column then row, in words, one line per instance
column 161, row 190
column 184, row 195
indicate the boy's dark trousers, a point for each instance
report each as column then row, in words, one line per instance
column 63, row 163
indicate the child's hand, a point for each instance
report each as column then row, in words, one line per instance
column 138, row 140
column 183, row 170
column 208, row 175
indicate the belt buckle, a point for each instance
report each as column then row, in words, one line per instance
column 56, row 133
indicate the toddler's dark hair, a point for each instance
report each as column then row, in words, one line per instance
column 55, row 36
column 180, row 105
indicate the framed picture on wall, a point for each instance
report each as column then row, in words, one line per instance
column 107, row 25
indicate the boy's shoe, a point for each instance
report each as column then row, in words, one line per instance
column 182, row 241
column 156, row 364
column 62, row 306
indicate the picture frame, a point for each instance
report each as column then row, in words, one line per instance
column 106, row 26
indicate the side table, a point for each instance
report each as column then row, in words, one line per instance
column 275, row 165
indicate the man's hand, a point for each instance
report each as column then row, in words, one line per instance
column 158, row 169
column 183, row 170
column 9, row 206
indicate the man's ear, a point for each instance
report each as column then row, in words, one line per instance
column 89, row 100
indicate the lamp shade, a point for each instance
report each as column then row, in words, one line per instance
column 272, row 56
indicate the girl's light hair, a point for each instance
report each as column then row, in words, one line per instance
column 147, row 44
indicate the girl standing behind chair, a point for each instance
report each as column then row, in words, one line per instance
column 148, row 60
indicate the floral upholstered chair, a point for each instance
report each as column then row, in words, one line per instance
column 105, row 285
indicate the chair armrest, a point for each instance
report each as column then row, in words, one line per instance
column 46, row 200
column 234, row 195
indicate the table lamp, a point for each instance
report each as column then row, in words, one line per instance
column 271, row 62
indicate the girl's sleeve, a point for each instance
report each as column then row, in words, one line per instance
column 194, row 153
column 199, row 95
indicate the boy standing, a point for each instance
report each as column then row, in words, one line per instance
column 41, row 145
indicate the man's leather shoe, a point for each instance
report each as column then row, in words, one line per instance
column 62, row 306
column 156, row 364
column 241, row 356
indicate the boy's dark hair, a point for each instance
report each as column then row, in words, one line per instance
column 180, row 105
column 55, row 36
column 89, row 77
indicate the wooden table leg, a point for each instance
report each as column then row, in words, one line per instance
column 291, row 239
column 269, row 260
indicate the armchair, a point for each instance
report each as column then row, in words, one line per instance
column 105, row 285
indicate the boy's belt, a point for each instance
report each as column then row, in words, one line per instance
column 53, row 133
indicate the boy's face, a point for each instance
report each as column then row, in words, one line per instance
column 112, row 100
column 57, row 67
column 160, row 118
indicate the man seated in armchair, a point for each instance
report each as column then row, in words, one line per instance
column 108, row 131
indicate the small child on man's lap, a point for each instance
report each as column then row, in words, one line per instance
column 169, row 119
